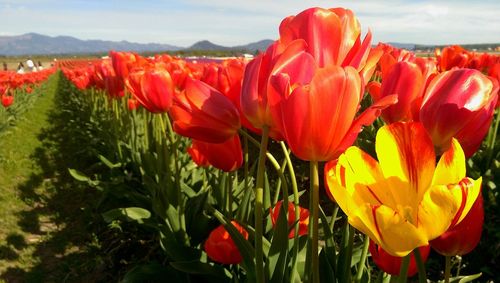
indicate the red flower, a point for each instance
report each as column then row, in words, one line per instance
column 7, row 100
column 319, row 118
column 303, row 218
column 463, row 237
column 392, row 264
column 152, row 87
column 261, row 88
column 226, row 156
column 132, row 104
column 203, row 113
column 459, row 103
column 221, row 248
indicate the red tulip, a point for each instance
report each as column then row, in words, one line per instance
column 333, row 36
column 463, row 237
column 226, row 156
column 459, row 103
column 303, row 218
column 152, row 88
column 112, row 83
column 203, row 113
column 452, row 56
column 220, row 246
column 318, row 131
column 259, row 94
column 132, row 104
column 404, row 79
column 392, row 264
column 7, row 100
column 123, row 62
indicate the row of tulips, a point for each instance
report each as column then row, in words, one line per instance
column 306, row 95
column 12, row 83
column 18, row 93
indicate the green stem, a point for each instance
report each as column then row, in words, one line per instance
column 295, row 190
column 259, row 207
column 334, row 216
column 364, row 254
column 403, row 271
column 447, row 269
column 491, row 144
column 313, row 237
column 422, row 276
column 229, row 192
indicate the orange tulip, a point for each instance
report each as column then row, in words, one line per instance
column 259, row 94
column 303, row 218
column 406, row 80
column 152, row 88
column 112, row 83
column 220, row 246
column 203, row 113
column 333, row 36
column 320, row 131
column 226, row 156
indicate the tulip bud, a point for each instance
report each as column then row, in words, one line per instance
column 303, row 218
column 220, row 246
column 7, row 100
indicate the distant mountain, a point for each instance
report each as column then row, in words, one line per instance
column 33, row 44
column 256, row 46
column 408, row 46
column 251, row 47
column 38, row 44
column 207, row 45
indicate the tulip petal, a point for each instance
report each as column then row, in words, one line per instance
column 364, row 119
column 389, row 229
column 451, row 166
column 406, row 156
column 313, row 128
column 465, row 193
column 362, row 177
column 436, row 211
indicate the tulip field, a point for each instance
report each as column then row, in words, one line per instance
column 325, row 158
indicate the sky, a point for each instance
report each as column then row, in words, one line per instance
column 237, row 22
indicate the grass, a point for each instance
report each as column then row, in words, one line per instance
column 46, row 216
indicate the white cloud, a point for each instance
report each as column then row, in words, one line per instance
column 242, row 21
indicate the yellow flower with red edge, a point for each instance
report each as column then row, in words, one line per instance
column 403, row 200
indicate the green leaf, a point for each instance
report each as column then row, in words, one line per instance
column 128, row 214
column 467, row 278
column 109, row 163
column 278, row 251
column 327, row 256
column 78, row 175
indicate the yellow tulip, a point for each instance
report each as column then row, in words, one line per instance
column 403, row 200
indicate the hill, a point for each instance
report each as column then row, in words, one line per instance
column 38, row 44
column 35, row 44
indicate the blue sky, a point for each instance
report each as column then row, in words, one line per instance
column 234, row 22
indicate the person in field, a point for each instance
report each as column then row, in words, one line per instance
column 5, row 68
column 31, row 66
column 20, row 68
column 40, row 67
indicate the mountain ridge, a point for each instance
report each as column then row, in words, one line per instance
column 39, row 44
